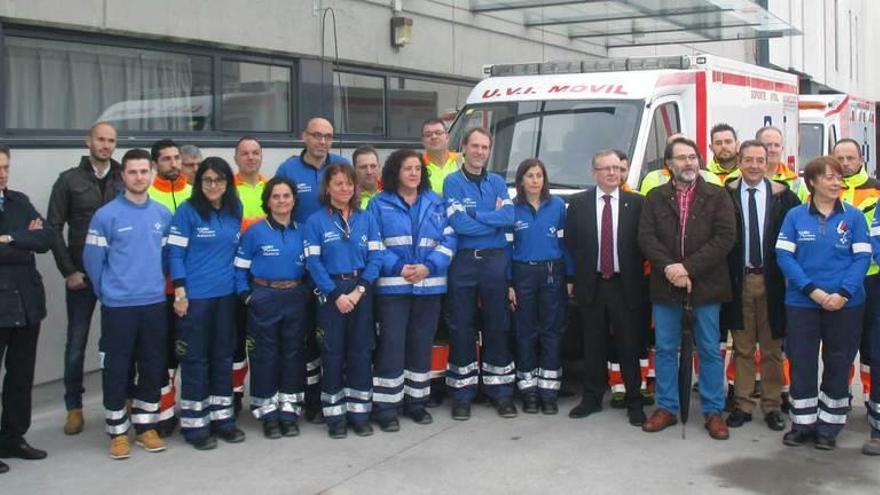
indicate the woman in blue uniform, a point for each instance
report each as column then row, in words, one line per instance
column 270, row 266
column 538, row 292
column 343, row 249
column 824, row 250
column 419, row 245
column 202, row 241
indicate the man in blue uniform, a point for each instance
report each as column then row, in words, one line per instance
column 480, row 212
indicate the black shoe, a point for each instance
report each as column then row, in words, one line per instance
column 798, row 438
column 4, row 468
column 205, row 443
column 506, row 408
column 272, row 429
column 166, row 427
column 825, row 443
column 618, row 400
column 21, row 450
column 549, row 407
column 530, row 404
column 738, row 418
column 730, row 401
column 461, row 411
column 636, row 416
column 289, row 428
column 388, row 425
column 337, row 430
column 362, row 428
column 230, row 435
column 236, row 403
column 584, row 409
column 774, row 420
column 420, row 416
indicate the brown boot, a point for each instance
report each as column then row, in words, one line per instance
column 659, row 420
column 716, row 427
column 75, row 422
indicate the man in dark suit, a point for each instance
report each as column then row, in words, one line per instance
column 22, row 307
column 601, row 233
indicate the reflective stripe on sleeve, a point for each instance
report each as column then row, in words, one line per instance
column 861, row 247
column 375, row 246
column 96, row 240
column 399, row 240
column 241, row 263
column 178, row 240
column 786, row 245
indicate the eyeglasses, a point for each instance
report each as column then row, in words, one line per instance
column 686, row 158
column 429, row 134
column 319, row 136
column 214, row 182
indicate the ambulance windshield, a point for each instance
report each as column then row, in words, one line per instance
column 809, row 142
column 563, row 134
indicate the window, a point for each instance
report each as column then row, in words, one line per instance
column 65, row 85
column 665, row 124
column 359, row 104
column 412, row 101
column 256, row 97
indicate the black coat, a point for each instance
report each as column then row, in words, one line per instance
column 582, row 240
column 779, row 201
column 76, row 195
column 22, row 298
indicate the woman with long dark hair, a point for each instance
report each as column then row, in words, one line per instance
column 269, row 276
column 202, row 243
column 419, row 245
column 343, row 249
column 538, row 292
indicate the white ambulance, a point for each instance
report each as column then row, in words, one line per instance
column 563, row 112
column 825, row 119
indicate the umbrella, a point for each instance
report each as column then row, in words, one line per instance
column 686, row 359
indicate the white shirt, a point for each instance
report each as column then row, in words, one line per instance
column 600, row 206
column 761, row 203
column 101, row 175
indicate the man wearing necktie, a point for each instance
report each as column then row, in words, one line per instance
column 754, row 314
column 609, row 285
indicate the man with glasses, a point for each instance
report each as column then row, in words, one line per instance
column 686, row 230
column 190, row 157
column 306, row 171
column 440, row 161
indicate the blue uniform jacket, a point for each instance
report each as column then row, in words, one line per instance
column 269, row 250
column 123, row 252
column 308, row 183
column 831, row 254
column 538, row 235
column 470, row 207
column 331, row 249
column 419, row 234
column 201, row 252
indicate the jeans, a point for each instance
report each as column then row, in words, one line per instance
column 667, row 326
column 80, row 306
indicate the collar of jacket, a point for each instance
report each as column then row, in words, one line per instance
column 838, row 207
column 783, row 172
column 450, row 157
column 239, row 180
column 86, row 164
column 165, row 185
column 857, row 179
column 775, row 187
column 716, row 168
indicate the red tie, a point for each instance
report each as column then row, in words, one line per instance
column 606, row 251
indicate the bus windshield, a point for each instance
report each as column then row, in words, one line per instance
column 563, row 134
column 810, row 141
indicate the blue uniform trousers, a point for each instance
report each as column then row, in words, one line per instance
column 479, row 273
column 347, row 342
column 539, row 323
column 838, row 333
column 132, row 338
column 205, row 344
column 276, row 347
column 403, row 355
column 870, row 349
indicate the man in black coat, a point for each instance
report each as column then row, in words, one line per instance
column 22, row 307
column 756, row 314
column 601, row 232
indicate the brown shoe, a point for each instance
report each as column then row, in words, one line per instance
column 716, row 427
column 75, row 422
column 659, row 420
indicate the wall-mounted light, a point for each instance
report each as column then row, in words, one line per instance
column 401, row 31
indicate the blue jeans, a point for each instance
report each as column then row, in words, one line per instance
column 667, row 329
column 80, row 306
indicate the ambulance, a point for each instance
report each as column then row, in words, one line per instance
column 564, row 112
column 825, row 119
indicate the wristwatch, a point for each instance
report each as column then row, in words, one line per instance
column 361, row 289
